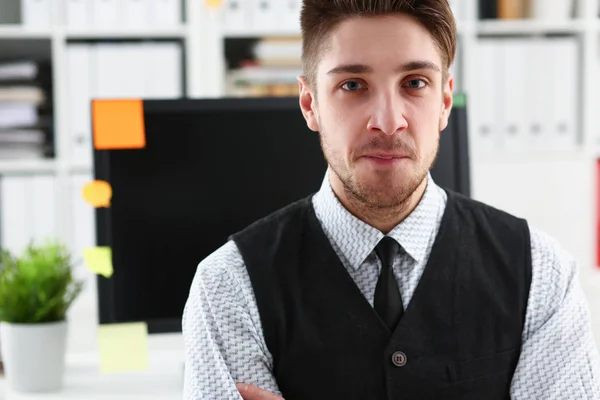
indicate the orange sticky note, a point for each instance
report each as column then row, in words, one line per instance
column 98, row 193
column 118, row 124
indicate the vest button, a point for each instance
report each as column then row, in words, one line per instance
column 399, row 359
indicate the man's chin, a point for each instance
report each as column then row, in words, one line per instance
column 391, row 190
column 381, row 196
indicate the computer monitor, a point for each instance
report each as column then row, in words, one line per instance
column 452, row 168
column 210, row 167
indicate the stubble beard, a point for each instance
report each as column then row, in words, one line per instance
column 389, row 195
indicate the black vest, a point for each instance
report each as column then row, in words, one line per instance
column 459, row 338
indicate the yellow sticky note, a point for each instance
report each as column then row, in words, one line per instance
column 123, row 347
column 97, row 193
column 99, row 260
column 213, row 3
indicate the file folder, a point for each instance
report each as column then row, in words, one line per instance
column 36, row 13
column 78, row 13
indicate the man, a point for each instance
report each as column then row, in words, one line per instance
column 383, row 285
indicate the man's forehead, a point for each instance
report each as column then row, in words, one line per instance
column 379, row 42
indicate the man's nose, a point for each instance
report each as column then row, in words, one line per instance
column 387, row 115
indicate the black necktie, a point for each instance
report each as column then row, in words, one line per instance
column 388, row 302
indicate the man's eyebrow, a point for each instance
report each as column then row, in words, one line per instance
column 365, row 69
column 418, row 64
column 350, row 69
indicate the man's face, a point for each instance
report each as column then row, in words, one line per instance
column 379, row 107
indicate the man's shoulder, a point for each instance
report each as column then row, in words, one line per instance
column 221, row 261
column 289, row 215
column 478, row 205
column 550, row 255
column 484, row 212
column 546, row 250
column 228, row 256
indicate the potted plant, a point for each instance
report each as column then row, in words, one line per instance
column 36, row 290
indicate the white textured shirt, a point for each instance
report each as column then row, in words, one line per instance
column 224, row 340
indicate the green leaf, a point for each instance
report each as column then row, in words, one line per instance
column 38, row 285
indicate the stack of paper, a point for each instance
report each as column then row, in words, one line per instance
column 271, row 71
column 25, row 110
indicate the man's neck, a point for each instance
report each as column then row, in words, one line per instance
column 383, row 219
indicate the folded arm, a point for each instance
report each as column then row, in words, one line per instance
column 559, row 359
column 222, row 333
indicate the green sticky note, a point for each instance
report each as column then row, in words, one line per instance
column 459, row 100
column 99, row 260
column 123, row 347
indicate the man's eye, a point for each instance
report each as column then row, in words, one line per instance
column 416, row 83
column 352, row 86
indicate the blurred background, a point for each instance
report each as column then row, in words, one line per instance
column 530, row 70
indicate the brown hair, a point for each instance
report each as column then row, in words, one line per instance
column 319, row 17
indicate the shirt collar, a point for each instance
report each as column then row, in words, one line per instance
column 413, row 233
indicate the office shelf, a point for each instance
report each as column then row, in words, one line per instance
column 22, row 32
column 127, row 33
column 27, row 166
column 248, row 33
column 529, row 27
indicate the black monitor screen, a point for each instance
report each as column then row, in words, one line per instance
column 209, row 169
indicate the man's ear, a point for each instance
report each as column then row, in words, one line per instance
column 308, row 104
column 447, row 100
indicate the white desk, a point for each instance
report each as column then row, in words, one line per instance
column 83, row 381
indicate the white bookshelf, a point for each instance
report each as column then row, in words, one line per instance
column 203, row 37
column 27, row 166
column 531, row 26
column 19, row 32
column 233, row 34
column 179, row 32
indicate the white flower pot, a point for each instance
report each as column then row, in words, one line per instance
column 552, row 10
column 34, row 355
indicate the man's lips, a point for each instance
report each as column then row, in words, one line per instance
column 384, row 160
column 386, row 156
